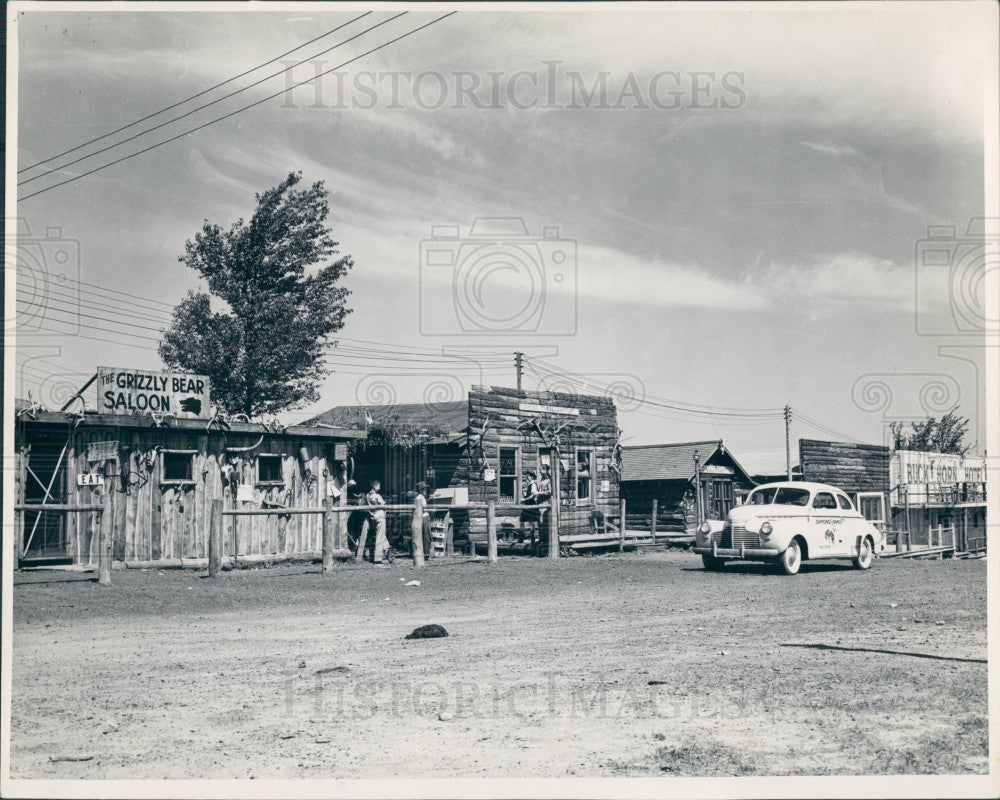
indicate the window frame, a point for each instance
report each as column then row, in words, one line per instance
column 591, row 497
column 832, row 497
column 843, row 498
column 271, row 482
column 164, row 480
column 516, row 475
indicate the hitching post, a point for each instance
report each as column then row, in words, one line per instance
column 491, row 531
column 329, row 532
column 417, row 533
column 621, row 527
column 215, row 539
column 652, row 524
column 104, row 551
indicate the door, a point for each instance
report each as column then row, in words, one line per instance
column 827, row 528
column 44, row 532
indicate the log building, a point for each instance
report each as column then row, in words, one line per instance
column 156, row 478
column 484, row 445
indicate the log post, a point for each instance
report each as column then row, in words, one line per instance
column 417, row 533
column 105, row 552
column 652, row 524
column 215, row 539
column 621, row 528
column 491, row 531
column 362, row 540
column 554, row 510
column 329, row 535
column 104, row 547
column 449, row 535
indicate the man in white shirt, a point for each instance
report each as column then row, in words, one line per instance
column 373, row 498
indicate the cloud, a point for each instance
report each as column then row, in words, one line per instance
column 838, row 279
column 832, row 149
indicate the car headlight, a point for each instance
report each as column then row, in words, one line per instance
column 766, row 529
column 705, row 528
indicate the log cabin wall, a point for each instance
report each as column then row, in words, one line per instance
column 850, row 467
column 676, row 509
column 156, row 515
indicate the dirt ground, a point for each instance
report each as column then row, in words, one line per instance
column 616, row 665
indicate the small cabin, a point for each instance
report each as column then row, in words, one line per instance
column 689, row 481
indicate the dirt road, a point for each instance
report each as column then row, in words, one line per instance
column 616, row 665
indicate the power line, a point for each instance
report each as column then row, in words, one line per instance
column 211, row 103
column 237, row 111
column 187, row 99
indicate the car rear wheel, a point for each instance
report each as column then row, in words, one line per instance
column 711, row 562
column 866, row 555
column 791, row 559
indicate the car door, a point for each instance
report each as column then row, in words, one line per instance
column 827, row 524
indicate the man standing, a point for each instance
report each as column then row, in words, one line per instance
column 425, row 524
column 373, row 498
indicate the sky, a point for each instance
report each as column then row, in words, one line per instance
column 736, row 222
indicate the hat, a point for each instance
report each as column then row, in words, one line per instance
column 421, row 484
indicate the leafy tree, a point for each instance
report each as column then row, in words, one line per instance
column 944, row 435
column 263, row 344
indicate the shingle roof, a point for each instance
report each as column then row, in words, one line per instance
column 665, row 462
column 451, row 416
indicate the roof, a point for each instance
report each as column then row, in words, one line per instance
column 450, row 417
column 811, row 485
column 669, row 462
column 91, row 419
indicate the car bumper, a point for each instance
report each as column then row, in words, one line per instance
column 738, row 552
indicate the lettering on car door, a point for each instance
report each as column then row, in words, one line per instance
column 828, row 525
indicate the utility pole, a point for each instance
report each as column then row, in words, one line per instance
column 519, row 368
column 788, row 441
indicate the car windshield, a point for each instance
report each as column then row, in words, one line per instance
column 782, row 496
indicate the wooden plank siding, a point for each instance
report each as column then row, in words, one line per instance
column 153, row 519
column 850, row 467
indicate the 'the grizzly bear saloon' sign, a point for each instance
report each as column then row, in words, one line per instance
column 134, row 391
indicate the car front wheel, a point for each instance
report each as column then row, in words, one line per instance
column 711, row 562
column 866, row 555
column 791, row 559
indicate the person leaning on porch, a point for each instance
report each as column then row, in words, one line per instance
column 529, row 516
column 374, row 498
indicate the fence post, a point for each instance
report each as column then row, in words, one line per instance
column 554, row 507
column 215, row 539
column 329, row 533
column 621, row 528
column 104, row 547
column 417, row 534
column 362, row 540
column 652, row 524
column 491, row 531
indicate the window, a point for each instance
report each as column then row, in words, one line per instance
column 178, row 466
column 844, row 502
column 584, row 476
column 824, row 500
column 269, row 469
column 507, row 476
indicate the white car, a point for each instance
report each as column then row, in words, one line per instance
column 789, row 522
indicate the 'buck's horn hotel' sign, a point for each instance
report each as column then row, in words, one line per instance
column 135, row 391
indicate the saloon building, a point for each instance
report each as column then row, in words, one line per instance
column 154, row 458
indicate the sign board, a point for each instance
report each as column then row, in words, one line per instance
column 540, row 409
column 89, row 479
column 103, row 450
column 489, row 474
column 135, row 391
column 605, row 486
column 924, row 474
